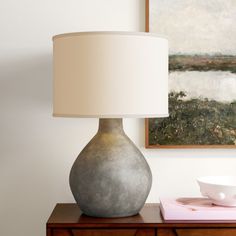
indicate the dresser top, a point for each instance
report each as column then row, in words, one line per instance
column 70, row 215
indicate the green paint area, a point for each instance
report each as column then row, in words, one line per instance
column 195, row 122
column 202, row 63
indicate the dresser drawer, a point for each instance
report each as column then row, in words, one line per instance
column 103, row 232
column 197, row 232
column 206, row 232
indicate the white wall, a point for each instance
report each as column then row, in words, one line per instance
column 36, row 150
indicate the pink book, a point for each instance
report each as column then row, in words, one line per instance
column 195, row 209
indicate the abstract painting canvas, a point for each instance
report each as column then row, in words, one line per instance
column 202, row 79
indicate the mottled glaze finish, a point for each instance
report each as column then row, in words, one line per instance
column 110, row 177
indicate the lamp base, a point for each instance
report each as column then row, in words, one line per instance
column 110, row 177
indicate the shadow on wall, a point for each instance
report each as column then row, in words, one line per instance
column 25, row 96
column 26, row 80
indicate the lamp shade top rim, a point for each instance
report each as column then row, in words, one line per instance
column 72, row 34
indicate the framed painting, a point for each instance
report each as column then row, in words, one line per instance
column 202, row 78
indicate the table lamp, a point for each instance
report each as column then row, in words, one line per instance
column 110, row 75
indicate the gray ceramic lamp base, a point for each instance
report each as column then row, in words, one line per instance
column 110, row 177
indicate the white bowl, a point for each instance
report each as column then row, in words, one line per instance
column 220, row 189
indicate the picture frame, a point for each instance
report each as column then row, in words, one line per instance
column 203, row 63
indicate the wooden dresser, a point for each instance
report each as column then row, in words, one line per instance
column 68, row 220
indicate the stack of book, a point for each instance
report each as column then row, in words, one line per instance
column 195, row 209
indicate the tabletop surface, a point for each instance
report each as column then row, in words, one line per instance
column 70, row 215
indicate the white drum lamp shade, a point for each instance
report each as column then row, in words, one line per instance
column 110, row 75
